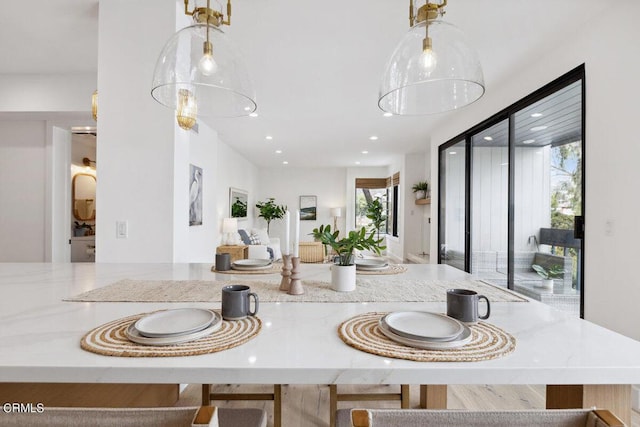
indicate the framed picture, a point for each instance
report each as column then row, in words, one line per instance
column 195, row 195
column 238, row 200
column 308, row 206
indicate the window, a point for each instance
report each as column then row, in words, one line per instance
column 384, row 190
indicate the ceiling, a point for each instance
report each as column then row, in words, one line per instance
column 315, row 65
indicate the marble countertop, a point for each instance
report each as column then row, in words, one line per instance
column 40, row 335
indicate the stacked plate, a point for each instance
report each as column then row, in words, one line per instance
column 251, row 264
column 174, row 326
column 423, row 329
column 370, row 264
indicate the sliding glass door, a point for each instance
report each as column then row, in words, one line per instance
column 489, row 197
column 512, row 196
column 453, row 216
column 548, row 198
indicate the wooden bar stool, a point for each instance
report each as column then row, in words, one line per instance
column 334, row 397
column 276, row 397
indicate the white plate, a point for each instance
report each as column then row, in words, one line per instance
column 459, row 341
column 175, row 322
column 252, row 262
column 248, row 268
column 419, row 325
column 363, row 268
column 133, row 335
column 369, row 262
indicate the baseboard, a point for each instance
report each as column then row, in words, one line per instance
column 635, row 398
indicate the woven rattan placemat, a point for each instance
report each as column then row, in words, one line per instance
column 110, row 339
column 488, row 342
column 393, row 269
column 274, row 268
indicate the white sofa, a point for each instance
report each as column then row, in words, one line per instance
column 267, row 244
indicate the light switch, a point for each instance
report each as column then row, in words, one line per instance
column 122, row 229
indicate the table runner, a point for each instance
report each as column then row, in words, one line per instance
column 390, row 289
column 110, row 339
column 487, row 342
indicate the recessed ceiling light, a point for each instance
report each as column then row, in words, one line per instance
column 357, row 163
column 537, row 128
column 285, row 163
column 387, row 114
column 528, row 141
column 373, row 138
column 504, row 164
column 268, row 137
column 536, row 115
column 452, row 152
column 488, row 138
column 365, row 152
column 253, row 115
column 278, row 151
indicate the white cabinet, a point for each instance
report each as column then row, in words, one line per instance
column 83, row 249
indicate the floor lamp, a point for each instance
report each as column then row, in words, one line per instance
column 336, row 213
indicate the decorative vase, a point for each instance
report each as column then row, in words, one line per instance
column 343, row 277
column 546, row 284
column 420, row 194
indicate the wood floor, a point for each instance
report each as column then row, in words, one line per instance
column 308, row 405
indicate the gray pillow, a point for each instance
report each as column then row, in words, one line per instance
column 244, row 236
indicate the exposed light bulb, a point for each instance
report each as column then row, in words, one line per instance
column 429, row 58
column 207, row 65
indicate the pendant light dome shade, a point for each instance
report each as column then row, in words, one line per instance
column 433, row 74
column 209, row 67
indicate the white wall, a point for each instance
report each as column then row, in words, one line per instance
column 136, row 136
column 611, row 153
column 237, row 172
column 286, row 185
column 46, row 92
column 22, row 191
column 416, row 217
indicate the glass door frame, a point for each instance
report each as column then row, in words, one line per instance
column 577, row 74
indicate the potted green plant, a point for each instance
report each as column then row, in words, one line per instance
column 375, row 212
column 343, row 273
column 270, row 211
column 548, row 274
column 420, row 189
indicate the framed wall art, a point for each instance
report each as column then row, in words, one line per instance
column 308, row 206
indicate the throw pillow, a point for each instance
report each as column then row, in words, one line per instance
column 262, row 234
column 255, row 239
column 244, row 236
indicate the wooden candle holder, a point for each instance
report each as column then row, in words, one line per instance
column 295, row 287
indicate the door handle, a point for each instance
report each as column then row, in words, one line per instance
column 578, row 227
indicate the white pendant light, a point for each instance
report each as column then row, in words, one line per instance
column 433, row 69
column 200, row 73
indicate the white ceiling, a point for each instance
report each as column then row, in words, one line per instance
column 315, row 65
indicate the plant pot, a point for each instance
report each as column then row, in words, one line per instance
column 343, row 277
column 545, row 284
column 420, row 194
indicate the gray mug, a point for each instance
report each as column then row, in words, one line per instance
column 223, row 262
column 236, row 302
column 462, row 304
